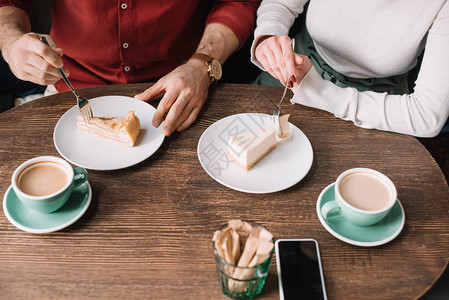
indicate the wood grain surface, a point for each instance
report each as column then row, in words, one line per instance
column 148, row 231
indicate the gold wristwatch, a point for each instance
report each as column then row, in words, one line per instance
column 213, row 66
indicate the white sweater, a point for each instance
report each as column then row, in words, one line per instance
column 365, row 39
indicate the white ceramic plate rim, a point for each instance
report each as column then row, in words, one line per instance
column 354, row 242
column 255, row 191
column 115, row 164
column 51, row 229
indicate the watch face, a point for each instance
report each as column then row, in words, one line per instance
column 215, row 69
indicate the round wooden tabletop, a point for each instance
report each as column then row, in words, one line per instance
column 148, row 231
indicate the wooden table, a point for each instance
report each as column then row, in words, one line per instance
column 148, row 231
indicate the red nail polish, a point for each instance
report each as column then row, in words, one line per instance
column 293, row 78
column 290, row 85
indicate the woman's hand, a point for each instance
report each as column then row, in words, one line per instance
column 276, row 55
column 303, row 66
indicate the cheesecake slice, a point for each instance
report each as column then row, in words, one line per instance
column 249, row 147
column 121, row 130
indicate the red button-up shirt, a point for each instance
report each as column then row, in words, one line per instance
column 126, row 41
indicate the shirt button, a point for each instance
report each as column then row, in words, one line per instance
column 124, row 6
column 127, row 68
column 125, row 45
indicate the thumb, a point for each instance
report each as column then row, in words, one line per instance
column 50, row 41
column 42, row 45
column 151, row 92
column 52, row 44
column 300, row 59
column 59, row 51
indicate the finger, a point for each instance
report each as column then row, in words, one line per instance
column 46, row 78
column 190, row 119
column 49, row 40
column 41, row 64
column 30, row 77
column 66, row 72
column 184, row 115
column 302, row 68
column 59, row 51
column 151, row 92
column 280, row 63
column 306, row 63
column 289, row 59
column 263, row 60
column 37, row 76
column 261, row 49
column 274, row 67
column 47, row 53
column 175, row 112
column 300, row 59
column 164, row 105
column 52, row 44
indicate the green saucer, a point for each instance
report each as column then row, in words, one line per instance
column 31, row 221
column 368, row 236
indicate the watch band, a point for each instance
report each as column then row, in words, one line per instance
column 202, row 57
column 210, row 63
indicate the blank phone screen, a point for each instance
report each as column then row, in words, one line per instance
column 300, row 270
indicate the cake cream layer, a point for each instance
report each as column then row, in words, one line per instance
column 121, row 130
column 285, row 126
column 248, row 147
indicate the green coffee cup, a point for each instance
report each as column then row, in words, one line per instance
column 362, row 196
column 45, row 183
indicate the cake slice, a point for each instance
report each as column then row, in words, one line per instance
column 121, row 130
column 249, row 147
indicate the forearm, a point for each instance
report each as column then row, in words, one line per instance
column 422, row 113
column 14, row 23
column 218, row 41
column 275, row 17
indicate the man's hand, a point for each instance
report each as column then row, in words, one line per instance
column 31, row 60
column 185, row 93
column 186, row 86
column 276, row 55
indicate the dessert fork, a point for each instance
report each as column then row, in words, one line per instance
column 83, row 103
column 277, row 109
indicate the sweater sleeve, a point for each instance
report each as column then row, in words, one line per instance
column 421, row 113
column 275, row 17
column 239, row 16
column 22, row 4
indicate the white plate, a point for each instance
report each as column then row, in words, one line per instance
column 282, row 168
column 95, row 153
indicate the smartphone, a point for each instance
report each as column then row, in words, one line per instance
column 299, row 269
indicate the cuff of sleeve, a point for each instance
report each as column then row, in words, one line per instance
column 314, row 91
column 273, row 29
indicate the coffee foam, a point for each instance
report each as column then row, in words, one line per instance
column 46, row 184
column 366, row 191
